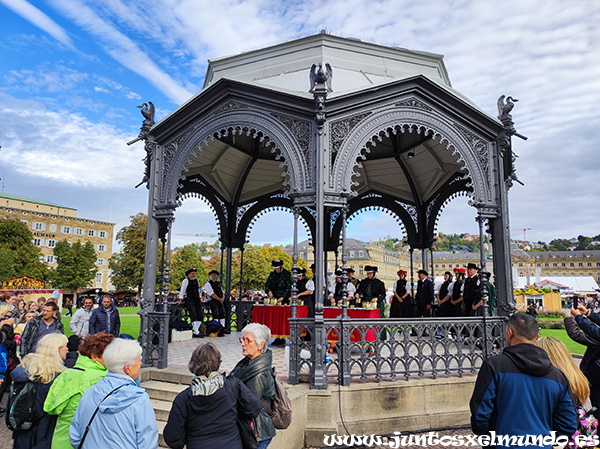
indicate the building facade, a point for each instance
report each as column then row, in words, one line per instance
column 52, row 223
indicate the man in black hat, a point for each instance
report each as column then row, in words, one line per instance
column 190, row 294
column 424, row 296
column 371, row 289
column 471, row 292
column 335, row 291
column 351, row 277
column 279, row 283
column 214, row 292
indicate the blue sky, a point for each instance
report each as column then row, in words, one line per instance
column 72, row 73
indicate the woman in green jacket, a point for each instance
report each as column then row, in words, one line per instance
column 254, row 370
column 67, row 389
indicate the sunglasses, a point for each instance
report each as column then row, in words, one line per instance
column 245, row 340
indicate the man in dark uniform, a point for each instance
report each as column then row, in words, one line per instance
column 471, row 292
column 371, row 289
column 351, row 278
column 279, row 283
column 424, row 296
column 190, row 294
column 401, row 304
column 214, row 292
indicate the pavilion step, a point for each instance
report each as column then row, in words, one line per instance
column 171, row 377
column 163, row 391
column 161, row 409
column 161, row 426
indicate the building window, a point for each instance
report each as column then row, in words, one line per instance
column 101, row 248
column 38, row 242
column 37, row 226
column 98, row 278
column 65, row 229
column 351, row 253
column 24, row 221
column 589, row 264
column 563, row 264
column 571, row 264
column 520, row 265
column 91, row 233
column 546, row 265
column 50, row 259
column 555, row 265
column 78, row 231
column 101, row 262
column 360, row 270
column 538, row 265
column 52, row 228
column 102, row 234
column 449, row 265
column 581, row 264
column 51, row 243
column 361, row 254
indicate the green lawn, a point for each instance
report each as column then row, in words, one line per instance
column 122, row 310
column 129, row 325
column 561, row 334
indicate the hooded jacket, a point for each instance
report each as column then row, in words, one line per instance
column 65, row 394
column 80, row 323
column 257, row 376
column 204, row 416
column 520, row 392
column 125, row 419
column 99, row 320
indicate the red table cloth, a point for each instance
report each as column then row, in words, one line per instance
column 276, row 318
column 334, row 312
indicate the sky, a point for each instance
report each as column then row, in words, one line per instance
column 72, row 73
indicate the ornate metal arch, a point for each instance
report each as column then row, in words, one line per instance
column 248, row 214
column 457, row 186
column 380, row 202
column 473, row 151
column 290, row 138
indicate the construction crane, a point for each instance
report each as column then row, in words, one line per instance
column 197, row 235
column 524, row 232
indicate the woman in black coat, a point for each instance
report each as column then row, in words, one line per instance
column 204, row 416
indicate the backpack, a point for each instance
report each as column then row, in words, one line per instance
column 587, row 426
column 281, row 409
column 20, row 409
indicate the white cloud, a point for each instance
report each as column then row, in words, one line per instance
column 65, row 148
column 39, row 19
column 121, row 48
column 101, row 89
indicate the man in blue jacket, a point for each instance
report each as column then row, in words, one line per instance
column 520, row 394
column 105, row 318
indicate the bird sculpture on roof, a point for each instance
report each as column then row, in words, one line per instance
column 148, row 113
column 320, row 76
column 505, row 108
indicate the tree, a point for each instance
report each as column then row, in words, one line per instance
column 128, row 266
column 18, row 255
column 182, row 259
column 76, row 265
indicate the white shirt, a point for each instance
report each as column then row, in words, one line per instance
column 350, row 287
column 183, row 291
column 310, row 285
column 208, row 290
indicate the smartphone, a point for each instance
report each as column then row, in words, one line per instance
column 576, row 302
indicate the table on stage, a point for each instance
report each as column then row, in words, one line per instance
column 276, row 318
column 336, row 312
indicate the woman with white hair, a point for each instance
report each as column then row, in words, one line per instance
column 255, row 371
column 117, row 411
column 41, row 367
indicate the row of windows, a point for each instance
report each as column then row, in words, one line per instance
column 523, row 274
column 38, row 226
column 50, row 258
column 52, row 243
column 563, row 265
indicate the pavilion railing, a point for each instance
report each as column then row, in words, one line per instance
column 368, row 350
column 240, row 313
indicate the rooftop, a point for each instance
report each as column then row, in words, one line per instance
column 9, row 196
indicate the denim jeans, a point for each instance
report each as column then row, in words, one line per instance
column 263, row 444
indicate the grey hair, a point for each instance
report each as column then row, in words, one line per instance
column 119, row 353
column 260, row 332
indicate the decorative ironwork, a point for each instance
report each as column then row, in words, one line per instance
column 300, row 129
column 412, row 211
column 341, row 128
column 397, row 348
column 413, row 102
column 231, row 106
column 481, row 149
column 240, row 212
